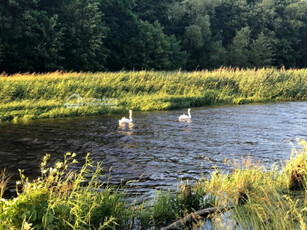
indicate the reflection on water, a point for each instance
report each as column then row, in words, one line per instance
column 158, row 146
column 126, row 128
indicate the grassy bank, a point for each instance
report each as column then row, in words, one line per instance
column 30, row 96
column 274, row 198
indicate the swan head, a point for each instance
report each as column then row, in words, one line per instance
column 189, row 110
column 130, row 111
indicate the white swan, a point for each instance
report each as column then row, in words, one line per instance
column 125, row 120
column 185, row 117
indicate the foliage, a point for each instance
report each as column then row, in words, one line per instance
column 98, row 35
column 238, row 50
column 64, row 199
column 29, row 96
column 263, row 198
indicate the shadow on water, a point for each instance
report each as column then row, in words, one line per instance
column 158, row 151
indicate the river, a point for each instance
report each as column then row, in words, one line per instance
column 159, row 148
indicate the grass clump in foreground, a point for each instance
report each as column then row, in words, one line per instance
column 31, row 96
column 58, row 199
column 264, row 199
column 261, row 198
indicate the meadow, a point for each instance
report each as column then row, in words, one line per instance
column 257, row 197
column 31, row 96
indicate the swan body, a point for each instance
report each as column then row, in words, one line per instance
column 184, row 116
column 125, row 120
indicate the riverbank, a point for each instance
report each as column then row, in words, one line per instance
column 64, row 199
column 32, row 96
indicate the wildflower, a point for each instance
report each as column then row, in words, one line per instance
column 27, row 226
column 59, row 164
column 52, row 171
column 45, row 158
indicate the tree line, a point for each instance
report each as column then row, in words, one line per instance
column 99, row 35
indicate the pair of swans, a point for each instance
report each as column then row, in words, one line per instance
column 182, row 117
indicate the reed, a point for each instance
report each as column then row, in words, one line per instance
column 31, row 96
column 61, row 198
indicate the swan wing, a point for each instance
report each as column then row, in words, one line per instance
column 183, row 116
column 124, row 120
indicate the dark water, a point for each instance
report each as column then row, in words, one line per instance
column 158, row 146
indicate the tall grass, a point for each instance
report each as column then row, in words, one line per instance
column 58, row 199
column 264, row 199
column 29, row 96
column 261, row 198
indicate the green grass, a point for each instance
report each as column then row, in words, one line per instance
column 31, row 96
column 274, row 198
column 58, row 199
column 264, row 199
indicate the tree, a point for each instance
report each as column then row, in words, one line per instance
column 95, row 35
column 31, row 38
column 238, row 50
column 229, row 17
column 262, row 53
column 85, row 33
column 262, row 18
column 121, row 40
column 151, row 11
column 288, row 29
column 218, row 54
column 198, row 42
column 159, row 51
column 302, row 44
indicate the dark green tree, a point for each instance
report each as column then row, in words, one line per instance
column 229, row 17
column 94, row 35
column 122, row 40
column 85, row 33
column 239, row 49
column 31, row 38
column 159, row 51
column 151, row 11
column 218, row 54
column 302, row 44
column 289, row 26
column 262, row 51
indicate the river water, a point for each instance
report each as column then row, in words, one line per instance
column 159, row 148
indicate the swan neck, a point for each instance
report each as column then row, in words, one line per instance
column 189, row 113
column 130, row 115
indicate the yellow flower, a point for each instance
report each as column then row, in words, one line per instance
column 26, row 226
column 59, row 164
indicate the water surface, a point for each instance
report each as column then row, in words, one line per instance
column 158, row 146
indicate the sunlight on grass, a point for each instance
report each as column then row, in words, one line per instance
column 31, row 96
column 257, row 197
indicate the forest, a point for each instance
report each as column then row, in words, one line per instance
column 113, row 35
